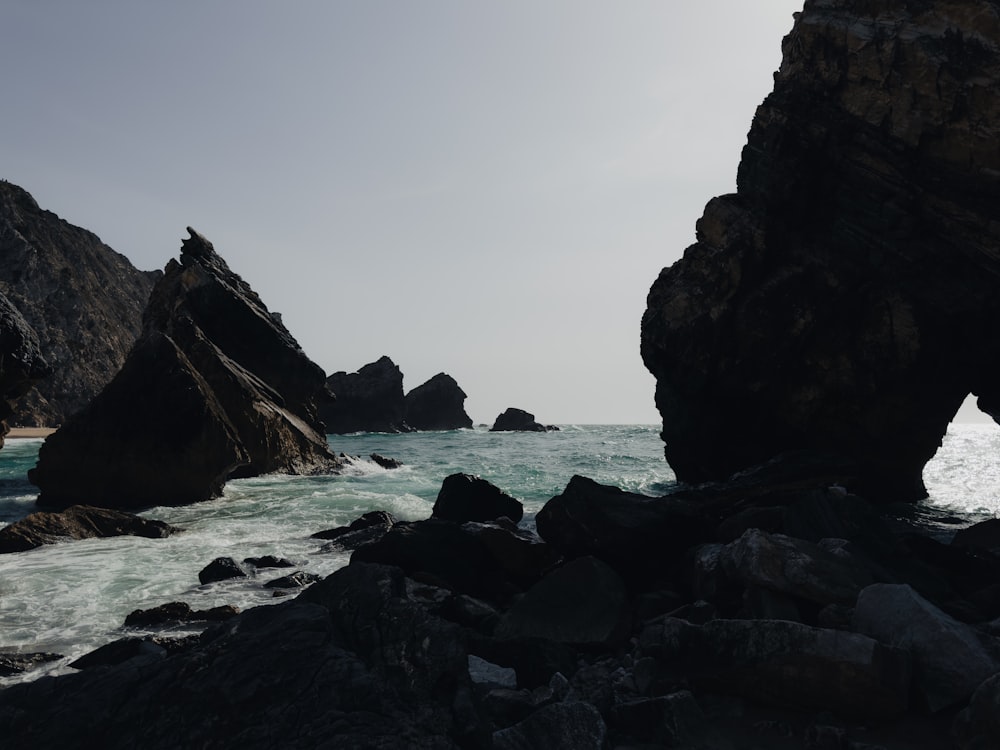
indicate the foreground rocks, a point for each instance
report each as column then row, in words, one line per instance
column 21, row 362
column 77, row 522
column 83, row 300
column 844, row 298
column 226, row 386
column 483, row 634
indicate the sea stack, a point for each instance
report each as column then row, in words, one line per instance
column 438, row 404
column 215, row 388
column 846, row 298
column 369, row 400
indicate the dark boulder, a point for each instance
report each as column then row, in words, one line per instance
column 21, row 361
column 782, row 663
column 977, row 726
column 518, row 420
column 13, row 664
column 490, row 561
column 370, row 527
column 641, row 537
column 845, row 297
column 369, row 400
column 83, row 300
column 297, row 580
column 582, row 602
column 221, row 569
column 77, row 522
column 385, row 462
column 215, row 388
column 174, row 613
column 268, row 561
column 560, row 726
column 464, row 497
column 438, row 404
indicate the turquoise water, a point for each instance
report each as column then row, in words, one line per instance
column 70, row 598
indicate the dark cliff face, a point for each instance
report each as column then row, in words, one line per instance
column 21, row 361
column 83, row 299
column 846, row 298
column 215, row 388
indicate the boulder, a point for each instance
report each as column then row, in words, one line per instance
column 639, row 536
column 464, row 497
column 785, row 664
column 297, row 580
column 977, row 726
column 77, row 522
column 268, row 561
column 844, row 298
column 14, row 664
column 518, row 420
column 173, row 613
column 560, row 726
column 370, row 527
column 228, row 389
column 949, row 658
column 582, row 602
column 21, row 361
column 221, row 569
column 490, row 561
column 438, row 404
column 369, row 400
column 83, row 300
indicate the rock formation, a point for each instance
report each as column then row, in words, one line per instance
column 369, row 400
column 21, row 361
column 845, row 298
column 518, row 420
column 438, row 404
column 77, row 522
column 372, row 400
column 83, row 299
column 215, row 388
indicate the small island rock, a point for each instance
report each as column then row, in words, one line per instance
column 518, row 420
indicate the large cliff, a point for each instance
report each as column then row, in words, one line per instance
column 83, row 299
column 845, row 299
column 215, row 388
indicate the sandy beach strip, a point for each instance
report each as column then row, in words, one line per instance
column 29, row 432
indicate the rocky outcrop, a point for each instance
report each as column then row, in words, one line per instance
column 464, row 497
column 215, row 388
column 845, row 297
column 369, row 400
column 438, row 404
column 21, row 361
column 518, row 420
column 77, row 522
column 83, row 299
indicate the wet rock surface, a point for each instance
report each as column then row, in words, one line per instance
column 77, row 522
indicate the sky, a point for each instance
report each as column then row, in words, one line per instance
column 486, row 189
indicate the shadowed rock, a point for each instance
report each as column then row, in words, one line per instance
column 77, row 522
column 216, row 388
column 21, row 361
column 518, row 420
column 464, row 497
column 845, row 298
column 369, row 400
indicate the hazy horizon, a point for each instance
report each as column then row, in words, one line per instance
column 486, row 190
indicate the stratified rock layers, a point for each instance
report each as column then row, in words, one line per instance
column 845, row 299
column 83, row 299
column 215, row 388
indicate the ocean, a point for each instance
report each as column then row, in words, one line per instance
column 72, row 597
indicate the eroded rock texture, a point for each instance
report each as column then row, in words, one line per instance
column 83, row 299
column 215, row 388
column 21, row 361
column 846, row 297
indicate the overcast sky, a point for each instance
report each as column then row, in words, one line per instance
column 482, row 188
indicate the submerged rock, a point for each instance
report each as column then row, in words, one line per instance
column 518, row 420
column 215, row 388
column 845, row 297
column 77, row 522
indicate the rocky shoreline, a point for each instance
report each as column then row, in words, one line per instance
column 775, row 608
